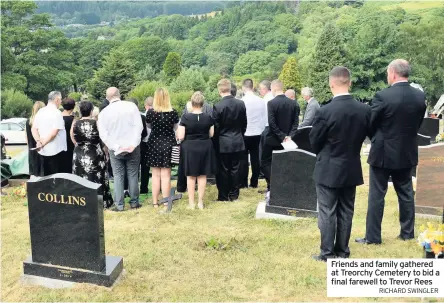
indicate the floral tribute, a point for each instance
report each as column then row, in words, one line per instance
column 431, row 239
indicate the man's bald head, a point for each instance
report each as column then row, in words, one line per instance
column 112, row 94
column 398, row 70
column 290, row 93
column 277, row 87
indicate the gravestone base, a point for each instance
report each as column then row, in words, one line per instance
column 262, row 214
column 113, row 268
column 288, row 211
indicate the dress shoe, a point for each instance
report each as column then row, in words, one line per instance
column 403, row 239
column 135, row 205
column 116, row 209
column 319, row 258
column 364, row 241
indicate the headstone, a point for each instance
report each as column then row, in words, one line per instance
column 430, row 182
column 302, row 138
column 429, row 127
column 292, row 190
column 67, row 232
column 423, row 140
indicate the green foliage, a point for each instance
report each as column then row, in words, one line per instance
column 75, row 95
column 146, row 51
column 33, row 50
column 15, row 104
column 189, row 80
column 144, row 90
column 221, row 63
column 251, row 62
column 116, row 71
column 173, row 65
column 180, row 99
column 147, row 74
column 329, row 53
column 290, row 75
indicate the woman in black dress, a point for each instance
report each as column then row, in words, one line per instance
column 34, row 158
column 197, row 156
column 89, row 160
column 68, row 105
column 162, row 119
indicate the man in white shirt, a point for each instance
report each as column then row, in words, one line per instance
column 48, row 130
column 267, row 96
column 120, row 127
column 256, row 117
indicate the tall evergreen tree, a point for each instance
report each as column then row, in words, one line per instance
column 290, row 74
column 173, row 65
column 329, row 52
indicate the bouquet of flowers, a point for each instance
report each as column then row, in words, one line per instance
column 431, row 239
column 20, row 191
column 440, row 138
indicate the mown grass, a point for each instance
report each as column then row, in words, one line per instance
column 219, row 254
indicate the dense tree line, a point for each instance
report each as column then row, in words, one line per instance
column 260, row 40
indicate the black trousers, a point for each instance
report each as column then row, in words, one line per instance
column 252, row 144
column 336, row 207
column 53, row 164
column 402, row 182
column 144, row 169
column 267, row 156
column 227, row 179
column 261, row 147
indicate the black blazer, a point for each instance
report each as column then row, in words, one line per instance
column 397, row 114
column 283, row 119
column 144, row 130
column 230, row 124
column 339, row 129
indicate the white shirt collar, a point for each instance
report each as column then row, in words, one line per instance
column 310, row 99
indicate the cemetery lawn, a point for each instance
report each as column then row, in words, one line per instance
column 219, row 254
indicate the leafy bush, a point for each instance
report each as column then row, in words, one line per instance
column 179, row 100
column 144, row 90
column 75, row 95
column 189, row 80
column 147, row 74
column 15, row 104
column 251, row 62
column 303, row 105
column 173, row 65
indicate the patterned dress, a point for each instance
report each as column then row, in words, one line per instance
column 162, row 137
column 89, row 161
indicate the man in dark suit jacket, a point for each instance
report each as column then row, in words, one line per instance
column 397, row 113
column 230, row 121
column 283, row 121
column 339, row 129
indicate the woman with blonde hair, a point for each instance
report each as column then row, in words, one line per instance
column 34, row 158
column 198, row 158
column 162, row 119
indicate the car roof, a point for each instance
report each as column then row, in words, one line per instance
column 14, row 120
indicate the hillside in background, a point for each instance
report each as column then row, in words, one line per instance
column 249, row 39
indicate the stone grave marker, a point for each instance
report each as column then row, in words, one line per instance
column 67, row 232
column 302, row 138
column 292, row 190
column 429, row 127
column 423, row 140
column 430, row 183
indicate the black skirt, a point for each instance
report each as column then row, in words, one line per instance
column 197, row 158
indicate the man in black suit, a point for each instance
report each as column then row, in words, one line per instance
column 339, row 129
column 230, row 121
column 397, row 113
column 283, row 120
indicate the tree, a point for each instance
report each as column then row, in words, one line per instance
column 189, row 80
column 251, row 62
column 15, row 104
column 146, row 51
column 144, row 90
column 173, row 65
column 33, row 51
column 221, row 63
column 117, row 70
column 290, row 75
column 142, row 30
column 329, row 52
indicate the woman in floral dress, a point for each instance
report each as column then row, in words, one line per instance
column 89, row 159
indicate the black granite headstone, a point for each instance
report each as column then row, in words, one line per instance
column 67, row 232
column 302, row 138
column 292, row 190
column 429, row 127
column 423, row 140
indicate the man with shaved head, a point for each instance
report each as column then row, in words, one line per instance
column 397, row 114
column 283, row 120
column 120, row 128
column 339, row 129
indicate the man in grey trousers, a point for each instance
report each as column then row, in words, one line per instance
column 120, row 127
